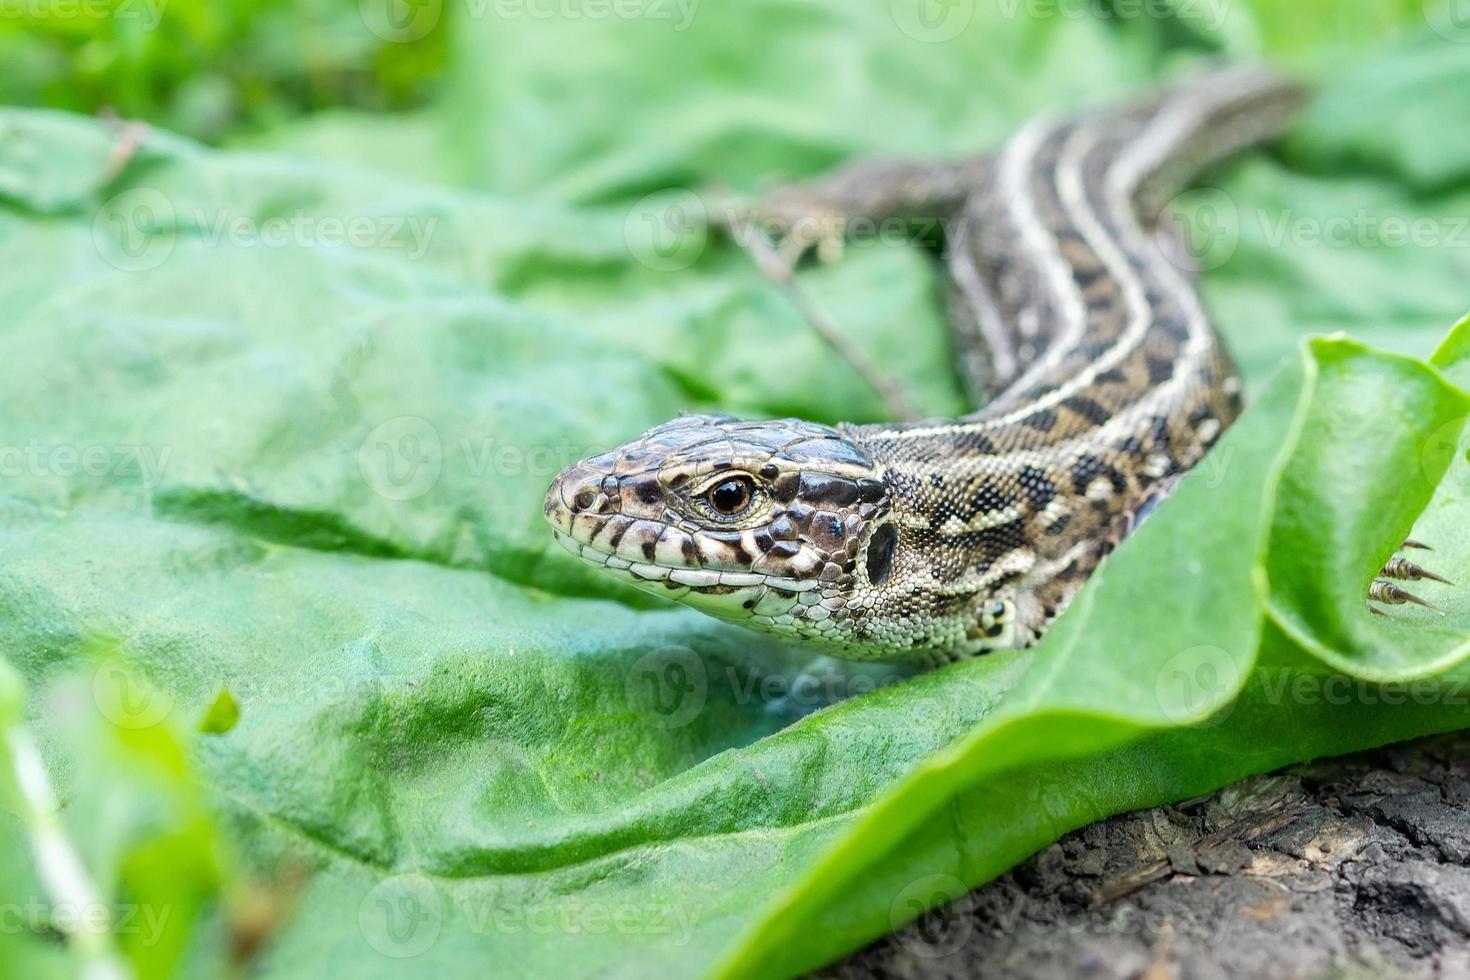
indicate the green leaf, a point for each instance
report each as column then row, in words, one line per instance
column 1387, row 115
column 673, row 95
column 1318, row 583
column 222, row 715
column 1311, row 34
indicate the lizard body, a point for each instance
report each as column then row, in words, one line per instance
column 932, row 540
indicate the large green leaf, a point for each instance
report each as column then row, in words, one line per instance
column 272, row 493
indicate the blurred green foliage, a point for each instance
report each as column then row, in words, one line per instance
column 219, row 69
column 209, row 68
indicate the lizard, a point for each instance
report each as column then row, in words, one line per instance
column 933, row 540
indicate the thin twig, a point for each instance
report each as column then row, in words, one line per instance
column 128, row 137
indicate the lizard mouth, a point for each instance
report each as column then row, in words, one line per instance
column 749, row 598
column 678, row 577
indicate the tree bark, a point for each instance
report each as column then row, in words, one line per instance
column 1357, row 866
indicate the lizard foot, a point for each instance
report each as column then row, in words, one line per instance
column 793, row 219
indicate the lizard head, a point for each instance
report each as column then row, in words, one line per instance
column 784, row 526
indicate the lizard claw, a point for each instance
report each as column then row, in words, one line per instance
column 1407, row 571
column 1385, row 591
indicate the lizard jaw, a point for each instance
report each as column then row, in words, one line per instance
column 742, row 596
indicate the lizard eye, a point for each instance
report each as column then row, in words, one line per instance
column 731, row 497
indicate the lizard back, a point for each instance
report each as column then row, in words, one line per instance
column 943, row 538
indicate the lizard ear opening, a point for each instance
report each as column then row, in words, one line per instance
column 880, row 553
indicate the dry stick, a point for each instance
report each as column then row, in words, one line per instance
column 128, row 136
column 782, row 273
